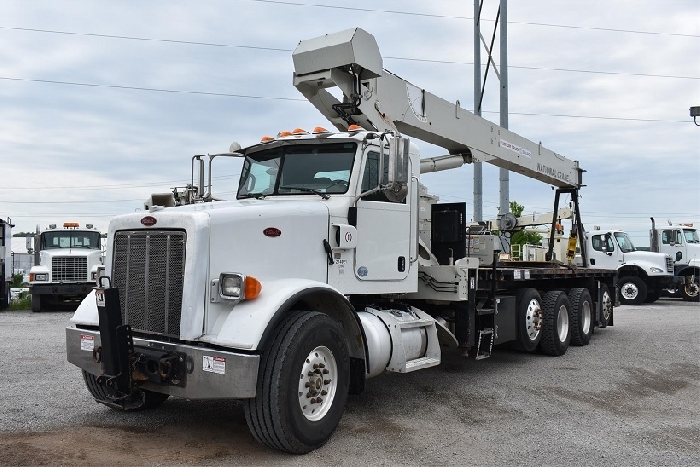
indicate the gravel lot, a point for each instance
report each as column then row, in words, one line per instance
column 629, row 398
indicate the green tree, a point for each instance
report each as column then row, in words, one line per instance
column 522, row 237
column 17, row 280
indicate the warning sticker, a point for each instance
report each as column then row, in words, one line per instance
column 87, row 342
column 214, row 365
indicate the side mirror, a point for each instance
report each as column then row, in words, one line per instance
column 679, row 255
column 398, row 169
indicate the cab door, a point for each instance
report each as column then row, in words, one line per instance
column 383, row 230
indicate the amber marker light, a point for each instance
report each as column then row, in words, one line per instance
column 253, row 287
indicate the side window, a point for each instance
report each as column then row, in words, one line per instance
column 370, row 177
column 597, row 241
column 679, row 237
column 610, row 243
column 666, row 237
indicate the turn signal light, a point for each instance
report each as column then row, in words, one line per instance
column 252, row 287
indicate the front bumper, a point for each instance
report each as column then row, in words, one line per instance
column 61, row 289
column 210, row 374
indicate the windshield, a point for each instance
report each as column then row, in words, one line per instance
column 691, row 236
column 70, row 239
column 626, row 245
column 297, row 169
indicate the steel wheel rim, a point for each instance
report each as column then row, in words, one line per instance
column 692, row 289
column 630, row 291
column 607, row 305
column 586, row 315
column 563, row 323
column 533, row 322
column 318, row 383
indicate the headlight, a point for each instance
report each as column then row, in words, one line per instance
column 236, row 286
column 42, row 277
column 656, row 270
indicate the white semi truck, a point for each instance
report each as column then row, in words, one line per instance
column 66, row 261
column 5, row 262
column 642, row 275
column 333, row 264
column 682, row 242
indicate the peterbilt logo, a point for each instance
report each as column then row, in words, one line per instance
column 272, row 232
column 149, row 221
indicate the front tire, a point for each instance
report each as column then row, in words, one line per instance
column 303, row 384
column 36, row 303
column 633, row 290
column 690, row 290
column 581, row 316
column 556, row 333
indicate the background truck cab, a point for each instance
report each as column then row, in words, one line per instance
column 682, row 243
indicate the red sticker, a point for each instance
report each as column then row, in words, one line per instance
column 149, row 221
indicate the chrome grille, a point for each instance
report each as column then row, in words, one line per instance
column 148, row 269
column 69, row 269
column 669, row 264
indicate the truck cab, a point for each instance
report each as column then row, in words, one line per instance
column 682, row 243
column 642, row 275
column 65, row 265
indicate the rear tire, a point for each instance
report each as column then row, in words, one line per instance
column 556, row 333
column 529, row 315
column 605, row 307
column 633, row 290
column 303, row 384
column 36, row 303
column 581, row 316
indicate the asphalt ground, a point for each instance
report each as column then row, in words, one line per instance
column 631, row 397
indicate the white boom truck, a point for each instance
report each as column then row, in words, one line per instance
column 682, row 242
column 66, row 262
column 322, row 273
column 642, row 275
column 5, row 262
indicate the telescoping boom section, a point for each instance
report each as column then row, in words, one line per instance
column 379, row 100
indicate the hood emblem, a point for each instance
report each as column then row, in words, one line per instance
column 272, row 232
column 149, row 221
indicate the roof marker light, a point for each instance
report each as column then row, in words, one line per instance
column 266, row 139
column 354, row 128
column 319, row 129
column 284, row 134
column 299, row 131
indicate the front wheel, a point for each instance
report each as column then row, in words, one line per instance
column 303, row 384
column 36, row 303
column 633, row 290
column 690, row 290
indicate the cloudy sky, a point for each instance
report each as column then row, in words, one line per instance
column 103, row 102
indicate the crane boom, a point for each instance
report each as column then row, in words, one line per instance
column 379, row 100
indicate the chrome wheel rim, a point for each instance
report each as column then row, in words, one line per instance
column 563, row 323
column 533, row 319
column 586, row 317
column 629, row 291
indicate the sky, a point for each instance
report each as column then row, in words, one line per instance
column 103, row 103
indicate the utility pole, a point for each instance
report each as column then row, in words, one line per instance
column 479, row 86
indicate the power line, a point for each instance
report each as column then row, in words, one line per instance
column 277, row 49
column 292, row 99
column 471, row 18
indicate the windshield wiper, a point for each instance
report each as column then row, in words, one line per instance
column 253, row 195
column 303, row 188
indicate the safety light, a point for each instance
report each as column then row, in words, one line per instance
column 299, row 132
column 266, row 139
column 319, row 129
column 284, row 134
column 67, row 225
